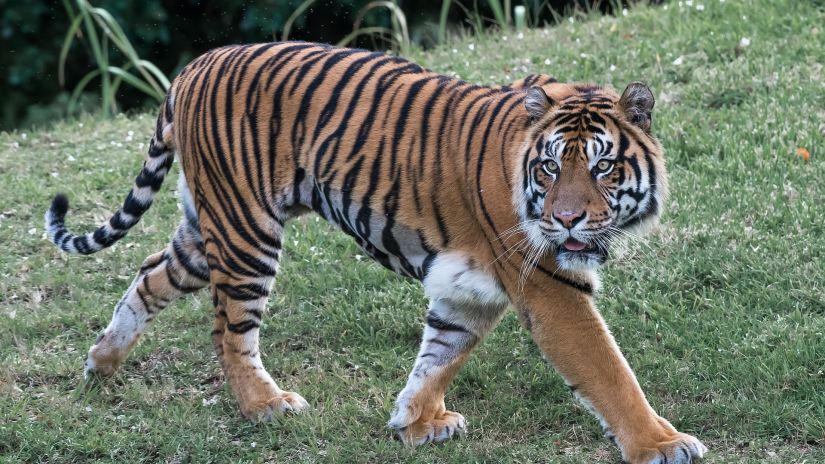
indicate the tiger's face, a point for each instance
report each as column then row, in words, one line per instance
column 592, row 171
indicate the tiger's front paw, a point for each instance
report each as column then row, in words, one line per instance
column 678, row 448
column 104, row 358
column 282, row 402
column 437, row 429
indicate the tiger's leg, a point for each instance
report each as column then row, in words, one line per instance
column 452, row 331
column 572, row 334
column 163, row 277
column 241, row 277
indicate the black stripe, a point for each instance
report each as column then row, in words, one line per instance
column 244, row 292
column 440, row 324
column 439, row 342
column 173, row 280
column 580, row 286
column 186, row 261
column 242, row 327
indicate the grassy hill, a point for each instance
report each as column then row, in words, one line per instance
column 721, row 313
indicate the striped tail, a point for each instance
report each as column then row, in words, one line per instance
column 147, row 184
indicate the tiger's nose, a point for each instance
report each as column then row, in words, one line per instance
column 569, row 218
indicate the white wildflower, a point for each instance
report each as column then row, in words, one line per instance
column 612, row 67
column 33, row 231
column 624, row 11
column 700, row 7
column 471, row 46
column 547, row 61
column 679, row 61
column 520, row 35
column 455, row 50
column 744, row 42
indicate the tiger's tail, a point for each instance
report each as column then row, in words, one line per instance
column 155, row 167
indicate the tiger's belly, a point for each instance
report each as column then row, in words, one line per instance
column 395, row 246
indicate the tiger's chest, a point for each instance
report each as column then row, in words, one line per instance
column 450, row 275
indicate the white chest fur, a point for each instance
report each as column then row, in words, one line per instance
column 456, row 277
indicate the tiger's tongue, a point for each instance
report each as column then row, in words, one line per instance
column 574, row 245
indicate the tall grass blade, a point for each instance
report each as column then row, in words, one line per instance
column 149, row 79
column 294, row 16
column 400, row 33
column 442, row 20
column 498, row 13
column 78, row 89
column 101, row 58
column 365, row 31
column 64, row 50
column 136, row 82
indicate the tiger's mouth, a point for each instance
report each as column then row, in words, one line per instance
column 571, row 244
column 574, row 254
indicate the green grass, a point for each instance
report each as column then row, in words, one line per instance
column 721, row 312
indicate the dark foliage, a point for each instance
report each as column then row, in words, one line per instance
column 169, row 33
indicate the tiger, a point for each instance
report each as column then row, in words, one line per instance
column 493, row 197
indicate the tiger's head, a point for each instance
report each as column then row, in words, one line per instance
column 591, row 170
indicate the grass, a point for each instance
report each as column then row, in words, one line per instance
column 721, row 312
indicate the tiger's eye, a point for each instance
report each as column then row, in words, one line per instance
column 551, row 166
column 604, row 165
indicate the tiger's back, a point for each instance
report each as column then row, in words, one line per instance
column 358, row 137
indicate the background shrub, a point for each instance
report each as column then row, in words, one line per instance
column 169, row 33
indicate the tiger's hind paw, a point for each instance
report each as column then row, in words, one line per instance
column 438, row 429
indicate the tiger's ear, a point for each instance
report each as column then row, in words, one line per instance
column 537, row 103
column 637, row 104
